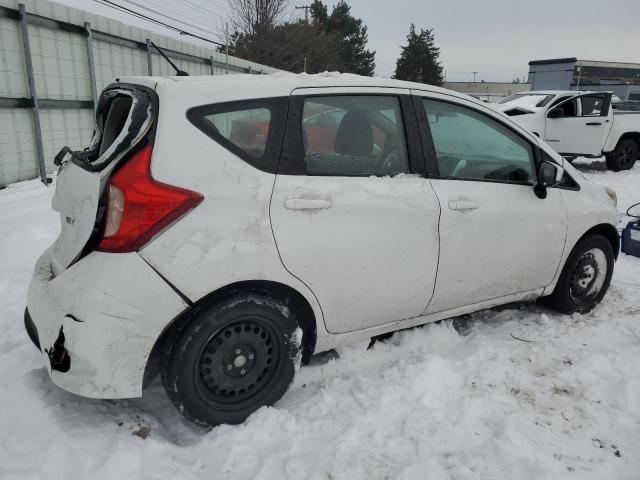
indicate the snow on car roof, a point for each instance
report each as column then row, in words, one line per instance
column 275, row 84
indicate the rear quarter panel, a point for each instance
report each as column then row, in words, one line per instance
column 623, row 122
column 228, row 237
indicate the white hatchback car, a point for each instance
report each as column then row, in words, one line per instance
column 232, row 226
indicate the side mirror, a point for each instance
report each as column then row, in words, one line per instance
column 555, row 113
column 549, row 175
column 634, row 210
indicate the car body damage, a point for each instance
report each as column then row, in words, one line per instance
column 108, row 328
column 82, row 176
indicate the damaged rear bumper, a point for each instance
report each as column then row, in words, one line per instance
column 96, row 323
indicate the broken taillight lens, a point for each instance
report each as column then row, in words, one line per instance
column 140, row 207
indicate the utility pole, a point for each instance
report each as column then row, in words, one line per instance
column 474, row 76
column 306, row 9
column 305, row 65
column 226, row 41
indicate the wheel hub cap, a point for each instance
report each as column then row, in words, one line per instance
column 587, row 277
column 237, row 362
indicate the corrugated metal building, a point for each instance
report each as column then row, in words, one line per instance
column 574, row 74
column 66, row 78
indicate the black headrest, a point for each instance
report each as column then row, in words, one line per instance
column 355, row 136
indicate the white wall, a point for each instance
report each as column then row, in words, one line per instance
column 61, row 72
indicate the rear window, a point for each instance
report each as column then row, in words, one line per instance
column 250, row 129
column 114, row 121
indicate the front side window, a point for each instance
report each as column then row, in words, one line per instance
column 354, row 136
column 471, row 145
column 563, row 108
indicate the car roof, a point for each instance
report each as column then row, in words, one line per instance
column 275, row 84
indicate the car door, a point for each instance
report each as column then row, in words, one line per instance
column 353, row 215
column 578, row 125
column 497, row 238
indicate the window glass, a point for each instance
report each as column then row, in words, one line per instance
column 354, row 135
column 247, row 129
column 567, row 109
column 592, row 105
column 471, row 145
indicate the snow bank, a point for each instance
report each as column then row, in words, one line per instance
column 519, row 392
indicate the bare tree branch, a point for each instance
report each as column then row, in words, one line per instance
column 250, row 17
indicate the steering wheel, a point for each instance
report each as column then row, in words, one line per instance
column 384, row 160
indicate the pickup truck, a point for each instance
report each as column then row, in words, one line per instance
column 579, row 123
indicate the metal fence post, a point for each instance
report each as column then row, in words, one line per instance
column 92, row 67
column 213, row 72
column 149, row 67
column 34, row 96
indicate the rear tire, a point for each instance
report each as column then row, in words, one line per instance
column 585, row 278
column 624, row 156
column 231, row 358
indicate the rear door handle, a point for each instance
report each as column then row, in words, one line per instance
column 462, row 205
column 306, row 204
column 593, row 123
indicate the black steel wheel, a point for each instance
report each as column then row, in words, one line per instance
column 585, row 278
column 231, row 358
column 238, row 361
column 624, row 156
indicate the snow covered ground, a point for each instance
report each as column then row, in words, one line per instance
column 456, row 400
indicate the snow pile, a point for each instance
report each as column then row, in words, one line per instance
column 519, row 392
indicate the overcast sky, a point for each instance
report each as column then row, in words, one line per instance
column 496, row 38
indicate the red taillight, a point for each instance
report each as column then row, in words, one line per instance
column 140, row 207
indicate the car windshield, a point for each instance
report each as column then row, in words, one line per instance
column 528, row 99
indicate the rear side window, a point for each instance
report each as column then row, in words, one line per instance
column 593, row 105
column 246, row 129
column 250, row 129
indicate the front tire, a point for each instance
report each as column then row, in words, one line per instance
column 624, row 156
column 585, row 278
column 231, row 358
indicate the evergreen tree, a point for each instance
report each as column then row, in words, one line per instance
column 419, row 59
column 352, row 37
column 319, row 13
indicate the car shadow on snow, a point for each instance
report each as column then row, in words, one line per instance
column 494, row 319
column 152, row 415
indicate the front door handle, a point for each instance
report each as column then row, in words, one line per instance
column 592, row 124
column 306, row 204
column 462, row 205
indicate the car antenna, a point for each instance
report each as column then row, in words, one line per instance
column 179, row 73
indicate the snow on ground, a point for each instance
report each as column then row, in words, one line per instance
column 562, row 400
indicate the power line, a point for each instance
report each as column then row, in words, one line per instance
column 191, row 6
column 169, row 17
column 206, row 10
column 115, row 6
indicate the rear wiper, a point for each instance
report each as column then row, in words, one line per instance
column 179, row 73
